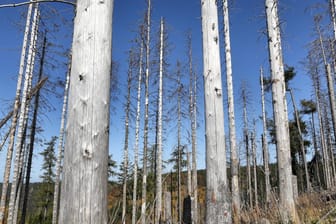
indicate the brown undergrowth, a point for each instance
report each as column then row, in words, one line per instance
column 314, row 208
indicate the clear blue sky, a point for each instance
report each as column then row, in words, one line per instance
column 248, row 43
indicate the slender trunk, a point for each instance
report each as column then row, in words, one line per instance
column 287, row 205
column 23, row 116
column 317, row 169
column 254, row 159
column 264, row 141
column 144, row 175
column 193, row 124
column 84, row 181
column 327, row 133
column 136, row 146
column 127, row 115
column 218, row 201
column 231, row 117
column 159, row 142
column 14, row 119
column 247, row 149
column 60, row 147
column 179, row 147
column 330, row 82
column 188, row 175
column 321, row 128
column 302, row 147
column 333, row 15
column 32, row 138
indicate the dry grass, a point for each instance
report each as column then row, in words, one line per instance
column 311, row 208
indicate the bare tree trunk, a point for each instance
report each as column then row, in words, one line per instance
column 188, row 174
column 144, row 175
column 23, row 116
column 231, row 117
column 32, row 138
column 127, row 115
column 84, row 182
column 333, row 15
column 167, row 205
column 317, row 169
column 321, row 128
column 14, row 119
column 264, row 141
column 136, row 146
column 247, row 149
column 332, row 104
column 302, row 147
column 60, row 147
column 159, row 142
column 218, row 201
column 254, row 159
column 327, row 135
column 193, row 124
column 179, row 146
column 330, row 81
column 287, row 205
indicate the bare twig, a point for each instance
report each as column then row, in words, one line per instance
column 36, row 1
column 4, row 141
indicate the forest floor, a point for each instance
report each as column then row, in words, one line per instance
column 317, row 207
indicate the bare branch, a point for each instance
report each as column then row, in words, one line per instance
column 36, row 1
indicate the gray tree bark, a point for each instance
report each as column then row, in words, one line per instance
column 264, row 140
column 218, row 201
column 193, row 124
column 136, row 145
column 231, row 117
column 84, row 184
column 60, row 147
column 302, row 147
column 32, row 137
column 254, row 160
column 159, row 134
column 247, row 149
column 23, row 116
column 144, row 175
column 127, row 115
column 14, row 119
column 287, row 205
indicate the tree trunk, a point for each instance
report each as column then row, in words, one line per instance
column 84, row 184
column 218, row 201
column 127, row 115
column 32, row 138
column 167, row 207
column 179, row 146
column 188, row 174
column 287, row 205
column 159, row 134
column 23, row 119
column 144, row 175
column 264, row 141
column 231, row 117
column 14, row 119
column 60, row 147
column 316, row 82
column 302, row 147
column 254, row 159
column 247, row 149
column 193, row 124
column 333, row 15
column 136, row 146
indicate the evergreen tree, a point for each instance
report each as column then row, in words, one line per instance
column 46, row 193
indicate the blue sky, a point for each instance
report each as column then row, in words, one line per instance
column 248, row 43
